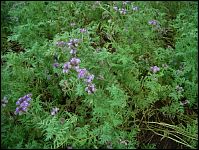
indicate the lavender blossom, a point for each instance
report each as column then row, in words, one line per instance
column 23, row 104
column 152, row 22
column 73, row 43
column 75, row 61
column 56, row 65
column 82, row 73
column 89, row 78
column 90, row 88
column 66, row 67
column 155, row 69
column 54, row 111
column 4, row 101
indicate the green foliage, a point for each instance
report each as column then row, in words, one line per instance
column 119, row 50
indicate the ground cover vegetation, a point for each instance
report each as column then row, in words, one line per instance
column 93, row 74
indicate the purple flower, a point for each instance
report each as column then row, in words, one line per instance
column 17, row 111
column 122, row 11
column 54, row 111
column 19, row 101
column 82, row 30
column 61, row 43
column 82, row 73
column 155, row 69
column 23, row 103
column 73, row 43
column 75, row 61
column 135, row 8
column 56, row 65
column 89, row 78
column 66, row 67
column 153, row 22
column 90, row 88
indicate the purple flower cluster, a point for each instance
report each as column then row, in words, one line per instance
column 54, row 111
column 155, row 69
column 74, row 64
column 82, row 73
column 88, row 78
column 23, row 104
column 4, row 101
column 90, row 88
column 66, row 67
column 72, row 45
column 153, row 22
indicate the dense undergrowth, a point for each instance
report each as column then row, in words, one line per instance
column 99, row 75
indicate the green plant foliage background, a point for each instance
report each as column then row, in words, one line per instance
column 119, row 50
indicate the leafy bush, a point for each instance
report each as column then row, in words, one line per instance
column 100, row 74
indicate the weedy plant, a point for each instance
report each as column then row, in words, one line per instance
column 100, row 75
